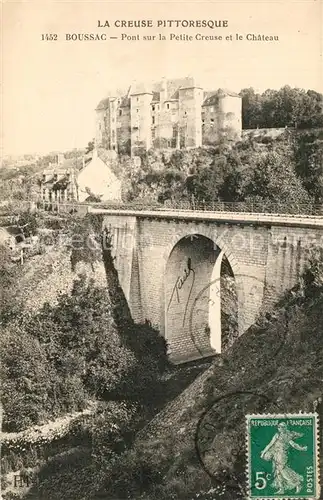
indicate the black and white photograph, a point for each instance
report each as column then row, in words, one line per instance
column 161, row 250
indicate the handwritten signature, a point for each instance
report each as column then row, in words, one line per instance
column 179, row 285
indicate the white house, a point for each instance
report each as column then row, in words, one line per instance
column 99, row 178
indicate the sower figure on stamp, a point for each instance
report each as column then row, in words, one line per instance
column 285, row 478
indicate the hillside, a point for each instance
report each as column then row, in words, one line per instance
column 195, row 447
column 248, row 171
column 276, row 367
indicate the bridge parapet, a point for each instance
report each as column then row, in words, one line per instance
column 227, row 217
column 166, row 259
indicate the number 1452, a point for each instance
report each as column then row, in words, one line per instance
column 50, row 37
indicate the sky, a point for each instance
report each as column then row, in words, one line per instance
column 50, row 88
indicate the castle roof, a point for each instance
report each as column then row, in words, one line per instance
column 172, row 86
column 212, row 97
column 103, row 104
column 228, row 92
column 140, row 88
column 156, row 96
column 125, row 102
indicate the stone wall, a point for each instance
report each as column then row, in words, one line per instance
column 155, row 255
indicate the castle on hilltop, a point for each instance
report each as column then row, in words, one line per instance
column 168, row 114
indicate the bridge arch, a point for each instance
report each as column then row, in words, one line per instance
column 192, row 294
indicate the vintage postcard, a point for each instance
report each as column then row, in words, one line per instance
column 161, row 250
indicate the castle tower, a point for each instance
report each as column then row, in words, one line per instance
column 102, row 124
column 106, row 124
column 190, row 123
column 140, row 106
column 221, row 116
column 229, row 114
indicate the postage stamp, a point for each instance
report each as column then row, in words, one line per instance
column 283, row 456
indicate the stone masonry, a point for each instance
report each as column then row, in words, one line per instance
column 169, row 269
column 168, row 114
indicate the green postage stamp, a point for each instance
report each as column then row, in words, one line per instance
column 282, row 456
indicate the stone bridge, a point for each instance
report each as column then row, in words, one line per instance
column 169, row 265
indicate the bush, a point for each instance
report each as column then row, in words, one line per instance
column 53, row 360
column 26, row 380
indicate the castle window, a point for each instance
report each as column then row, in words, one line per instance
column 153, row 108
column 120, row 112
column 153, row 133
column 153, row 120
column 212, row 120
column 137, row 99
column 137, row 110
column 167, row 105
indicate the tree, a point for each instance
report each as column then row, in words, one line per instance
column 251, row 108
column 26, row 379
column 308, row 153
column 291, row 107
column 90, row 146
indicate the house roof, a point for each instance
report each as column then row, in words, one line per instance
column 108, row 157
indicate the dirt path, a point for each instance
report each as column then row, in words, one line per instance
column 50, row 429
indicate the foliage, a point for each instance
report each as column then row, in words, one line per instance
column 308, row 154
column 10, row 306
column 112, row 431
column 26, row 379
column 274, row 367
column 84, row 243
column 312, row 279
column 28, row 221
column 90, row 146
column 72, row 350
column 249, row 171
column 287, row 107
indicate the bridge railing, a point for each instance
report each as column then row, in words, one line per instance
column 273, row 208
column 239, row 207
